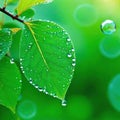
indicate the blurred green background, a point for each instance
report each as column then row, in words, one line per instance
column 94, row 93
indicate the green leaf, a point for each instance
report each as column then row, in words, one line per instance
column 23, row 5
column 5, row 41
column 29, row 13
column 6, row 114
column 14, row 49
column 10, row 83
column 11, row 1
column 47, row 57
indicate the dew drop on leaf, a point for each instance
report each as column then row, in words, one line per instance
column 40, row 89
column 69, row 55
column 64, row 102
column 36, row 87
column 68, row 39
column 12, row 61
column 108, row 27
column 73, row 64
column 73, row 60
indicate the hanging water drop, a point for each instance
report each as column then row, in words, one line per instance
column 12, row 61
column 108, row 27
column 40, row 89
column 73, row 64
column 64, row 102
column 30, row 81
column 36, row 86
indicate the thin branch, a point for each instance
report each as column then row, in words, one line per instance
column 14, row 17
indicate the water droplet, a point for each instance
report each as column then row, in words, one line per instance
column 20, row 81
column 30, row 80
column 69, row 55
column 33, row 84
column 21, row 59
column 73, row 50
column 108, row 27
column 36, row 86
column 74, row 60
column 40, row 89
column 21, row 67
column 64, row 102
column 12, row 61
column 73, row 64
column 68, row 39
column 46, row 93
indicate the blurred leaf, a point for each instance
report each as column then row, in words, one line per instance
column 14, row 49
column 6, row 114
column 10, row 85
column 47, row 57
column 10, row 25
column 5, row 41
column 24, row 5
column 7, row 2
column 11, row 1
column 29, row 13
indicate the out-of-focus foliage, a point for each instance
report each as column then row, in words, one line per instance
column 94, row 92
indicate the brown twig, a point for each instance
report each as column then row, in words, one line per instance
column 14, row 17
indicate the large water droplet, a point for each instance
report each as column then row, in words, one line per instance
column 26, row 109
column 108, row 27
column 64, row 102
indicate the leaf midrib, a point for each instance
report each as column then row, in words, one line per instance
column 38, row 46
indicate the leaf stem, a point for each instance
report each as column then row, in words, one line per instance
column 14, row 17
